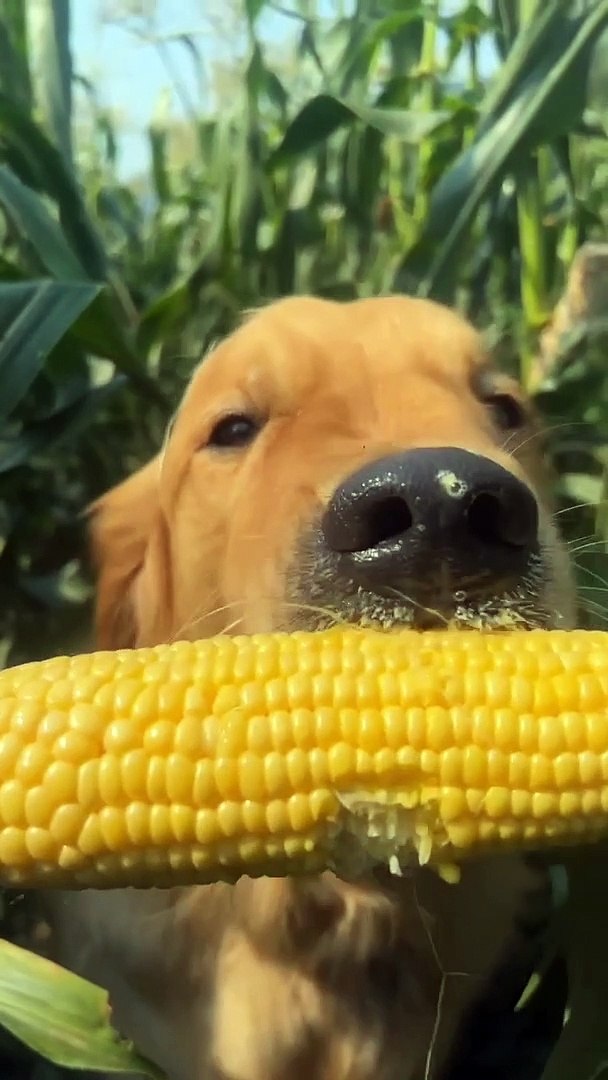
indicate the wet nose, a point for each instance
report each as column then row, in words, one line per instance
column 432, row 509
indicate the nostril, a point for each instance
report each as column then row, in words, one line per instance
column 484, row 518
column 388, row 519
column 508, row 521
column 363, row 523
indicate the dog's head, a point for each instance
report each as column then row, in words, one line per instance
column 360, row 462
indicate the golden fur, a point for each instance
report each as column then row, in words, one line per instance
column 323, row 979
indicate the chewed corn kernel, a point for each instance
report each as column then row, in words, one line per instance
column 279, row 754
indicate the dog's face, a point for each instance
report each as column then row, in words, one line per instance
column 358, row 461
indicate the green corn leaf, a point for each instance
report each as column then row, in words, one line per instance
column 325, row 114
column 401, row 30
column 41, row 436
column 551, row 89
column 50, row 63
column 61, row 1016
column 581, row 1052
column 35, row 224
column 33, row 317
column 101, row 328
column 26, row 145
column 528, row 47
column 14, row 71
column 252, row 9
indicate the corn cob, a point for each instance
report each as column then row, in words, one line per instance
column 288, row 753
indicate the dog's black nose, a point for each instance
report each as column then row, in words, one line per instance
column 424, row 514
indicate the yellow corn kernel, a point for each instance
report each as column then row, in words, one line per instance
column 279, row 754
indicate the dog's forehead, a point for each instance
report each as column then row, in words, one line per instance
column 296, row 344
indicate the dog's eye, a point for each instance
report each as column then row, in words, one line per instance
column 234, row 430
column 508, row 413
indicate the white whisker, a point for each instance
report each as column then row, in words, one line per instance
column 598, row 546
column 580, row 506
column 591, row 574
column 200, row 616
column 420, row 607
column 542, row 433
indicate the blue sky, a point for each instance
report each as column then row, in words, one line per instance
column 130, row 76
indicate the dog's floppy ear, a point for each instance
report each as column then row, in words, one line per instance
column 129, row 548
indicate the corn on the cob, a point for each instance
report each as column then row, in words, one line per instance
column 286, row 753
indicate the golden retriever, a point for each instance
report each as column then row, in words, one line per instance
column 356, row 461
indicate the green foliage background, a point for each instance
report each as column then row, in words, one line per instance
column 379, row 158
